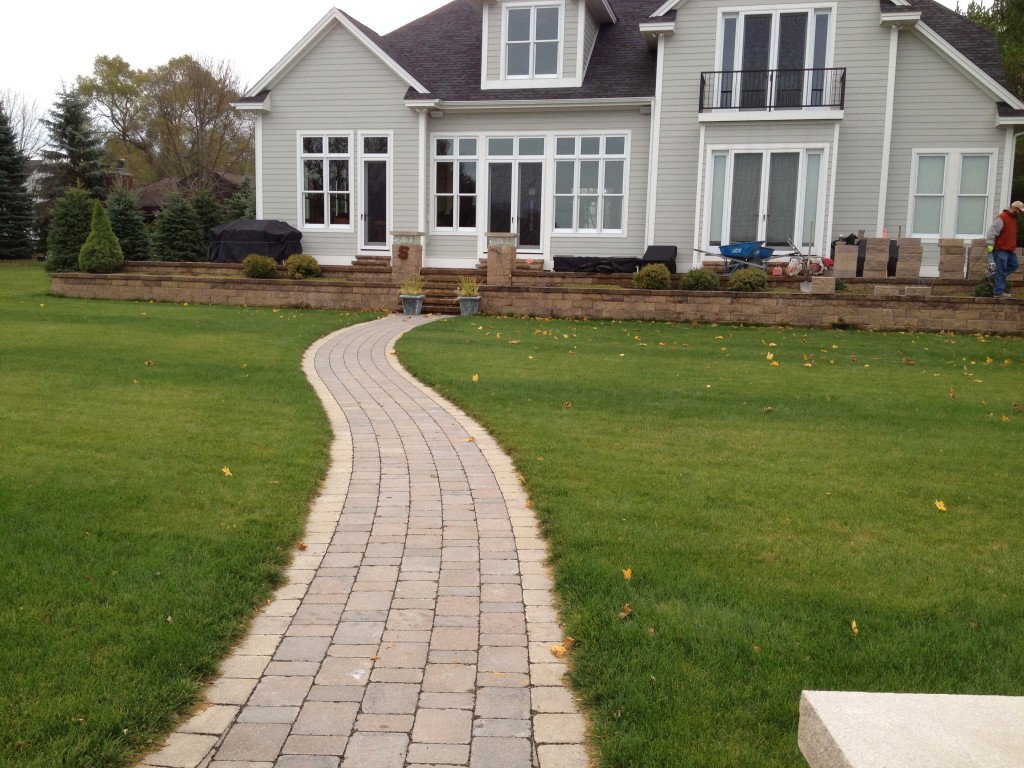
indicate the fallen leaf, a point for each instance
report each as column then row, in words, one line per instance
column 567, row 405
column 757, row 649
column 1004, row 419
column 853, row 626
column 529, row 503
column 470, row 439
column 170, row 619
column 908, row 361
column 476, row 378
column 940, row 505
column 771, row 356
column 226, row 471
column 769, row 409
column 1018, row 408
column 149, row 362
column 514, row 341
column 627, row 574
column 302, row 545
column 952, row 394
column 625, row 612
column 569, row 642
column 650, row 631
column 774, row 363
column 558, row 651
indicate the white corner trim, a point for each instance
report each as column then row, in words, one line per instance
column 968, row 67
column 890, row 104
column 698, row 216
column 314, row 36
column 581, row 42
column 654, row 159
column 424, row 154
column 484, row 47
column 258, row 181
column 1008, row 158
column 829, row 222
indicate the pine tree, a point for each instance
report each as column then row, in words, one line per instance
column 70, row 223
column 74, row 154
column 208, row 210
column 242, row 204
column 15, row 202
column 128, row 224
column 101, row 251
column 176, row 234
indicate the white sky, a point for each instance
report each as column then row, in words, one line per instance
column 58, row 41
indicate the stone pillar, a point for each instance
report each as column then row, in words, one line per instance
column 501, row 257
column 406, row 256
column 846, row 261
column 977, row 260
column 951, row 258
column 909, row 262
column 876, row 258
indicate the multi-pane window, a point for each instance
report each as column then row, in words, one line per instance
column 590, row 183
column 326, row 180
column 532, row 41
column 455, row 183
column 951, row 194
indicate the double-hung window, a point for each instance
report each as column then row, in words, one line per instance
column 590, row 184
column 951, row 194
column 532, row 41
column 325, row 168
column 455, row 183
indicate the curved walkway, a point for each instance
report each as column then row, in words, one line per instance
column 416, row 625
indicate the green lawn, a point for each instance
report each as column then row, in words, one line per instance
column 762, row 509
column 129, row 560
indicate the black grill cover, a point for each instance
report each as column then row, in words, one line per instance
column 230, row 243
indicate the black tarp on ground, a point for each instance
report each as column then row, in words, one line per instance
column 230, row 243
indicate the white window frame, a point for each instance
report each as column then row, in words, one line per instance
column 731, row 150
column 602, row 158
column 533, row 7
column 358, row 190
column 951, row 191
column 738, row 12
column 456, row 158
column 326, row 156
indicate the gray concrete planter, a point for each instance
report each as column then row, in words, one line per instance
column 469, row 305
column 412, row 305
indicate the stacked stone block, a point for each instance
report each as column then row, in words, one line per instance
column 977, row 260
column 846, row 261
column 501, row 257
column 406, row 256
column 909, row 262
column 952, row 258
column 876, row 258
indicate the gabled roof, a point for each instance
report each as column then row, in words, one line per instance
column 443, row 48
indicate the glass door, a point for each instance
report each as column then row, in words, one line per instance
column 756, row 61
column 515, row 200
column 765, row 187
column 375, row 192
column 789, row 80
column 529, row 209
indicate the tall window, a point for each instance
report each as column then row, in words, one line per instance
column 455, row 180
column 326, row 181
column 326, row 168
column 590, row 183
column 532, row 41
column 952, row 194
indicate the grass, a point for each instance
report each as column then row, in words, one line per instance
column 130, row 560
column 762, row 511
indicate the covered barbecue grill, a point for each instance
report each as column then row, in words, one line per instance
column 230, row 243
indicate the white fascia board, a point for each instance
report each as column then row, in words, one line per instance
column 901, row 18
column 422, row 103
column 603, row 10
column 968, row 67
column 658, row 27
column 314, row 36
column 573, row 104
column 1004, row 121
column 252, row 106
column 671, row 5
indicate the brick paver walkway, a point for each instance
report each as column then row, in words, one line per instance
column 416, row 625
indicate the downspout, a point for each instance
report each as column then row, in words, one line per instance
column 890, row 102
column 655, row 148
column 258, row 181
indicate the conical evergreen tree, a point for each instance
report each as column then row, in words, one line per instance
column 70, row 222
column 15, row 202
column 128, row 224
column 74, row 155
column 208, row 210
column 176, row 232
column 101, row 251
column 242, row 204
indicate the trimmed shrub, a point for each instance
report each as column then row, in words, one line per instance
column 176, row 234
column 748, row 279
column 983, row 288
column 70, row 223
column 101, row 252
column 209, row 212
column 653, row 277
column 301, row 267
column 700, row 279
column 128, row 224
column 242, row 204
column 259, row 267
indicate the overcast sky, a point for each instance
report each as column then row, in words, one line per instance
column 58, row 41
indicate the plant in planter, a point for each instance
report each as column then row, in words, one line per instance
column 411, row 293
column 468, row 295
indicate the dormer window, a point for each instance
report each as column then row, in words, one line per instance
column 532, row 41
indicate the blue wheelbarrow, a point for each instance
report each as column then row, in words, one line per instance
column 737, row 255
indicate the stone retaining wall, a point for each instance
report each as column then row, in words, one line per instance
column 842, row 310
column 315, row 294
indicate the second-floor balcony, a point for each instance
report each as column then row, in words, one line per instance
column 773, row 90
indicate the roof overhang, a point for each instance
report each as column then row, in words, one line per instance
column 671, row 5
column 973, row 72
column 314, row 36
column 633, row 102
column 259, row 103
column 653, row 30
column 901, row 18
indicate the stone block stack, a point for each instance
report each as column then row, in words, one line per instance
column 876, row 258
column 952, row 257
column 977, row 260
column 846, row 261
column 909, row 262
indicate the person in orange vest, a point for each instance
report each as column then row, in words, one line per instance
column 1002, row 244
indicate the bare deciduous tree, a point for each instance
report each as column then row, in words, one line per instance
column 25, row 117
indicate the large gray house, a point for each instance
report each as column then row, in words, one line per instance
column 594, row 128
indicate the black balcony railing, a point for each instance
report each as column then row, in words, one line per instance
column 773, row 89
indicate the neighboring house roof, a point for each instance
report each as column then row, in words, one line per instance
column 443, row 49
column 152, row 196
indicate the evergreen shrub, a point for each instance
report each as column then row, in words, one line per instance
column 259, row 267
column 209, row 212
column 101, row 252
column 176, row 235
column 128, row 224
column 653, row 277
column 700, row 279
column 983, row 288
column 70, row 223
column 301, row 267
column 748, row 279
